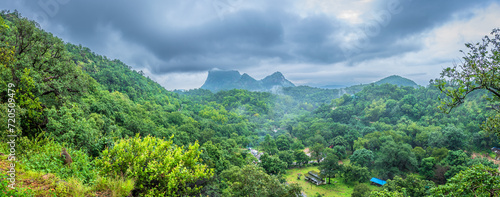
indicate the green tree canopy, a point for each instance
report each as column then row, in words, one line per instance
column 251, row 180
column 362, row 157
column 478, row 180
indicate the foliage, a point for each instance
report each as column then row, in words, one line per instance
column 479, row 70
column 427, row 167
column 362, row 157
column 251, row 180
column 317, row 151
column 355, row 173
column 158, row 166
column 301, row 157
column 45, row 157
column 117, row 185
column 395, row 158
column 42, row 72
column 385, row 193
column 361, row 190
column 6, row 191
column 409, row 186
column 272, row 164
column 478, row 180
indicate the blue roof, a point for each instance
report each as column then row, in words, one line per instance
column 378, row 181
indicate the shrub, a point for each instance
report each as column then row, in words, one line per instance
column 46, row 158
column 159, row 167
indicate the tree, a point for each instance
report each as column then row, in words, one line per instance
column 301, row 157
column 410, row 186
column 297, row 145
column 159, row 167
column 375, row 110
column 287, row 156
column 269, row 145
column 395, row 158
column 339, row 141
column 355, row 173
column 340, row 151
column 360, row 190
column 251, row 180
column 427, row 167
column 479, row 70
column 478, row 180
column 317, row 151
column 330, row 165
column 455, row 137
column 42, row 71
column 385, row 193
column 272, row 164
column 214, row 157
column 283, row 143
column 419, row 153
column 362, row 157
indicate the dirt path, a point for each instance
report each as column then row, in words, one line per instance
column 474, row 155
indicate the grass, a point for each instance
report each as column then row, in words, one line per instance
column 334, row 189
column 33, row 183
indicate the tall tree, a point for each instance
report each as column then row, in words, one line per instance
column 272, row 164
column 355, row 173
column 362, row 157
column 42, row 71
column 317, row 151
column 330, row 165
column 395, row 158
column 479, row 69
column 269, row 145
column 301, row 157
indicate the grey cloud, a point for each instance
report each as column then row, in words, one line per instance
column 188, row 36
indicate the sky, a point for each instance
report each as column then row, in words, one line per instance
column 312, row 42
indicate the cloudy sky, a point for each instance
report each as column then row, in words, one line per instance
column 312, row 42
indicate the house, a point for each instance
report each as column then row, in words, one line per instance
column 497, row 152
column 377, row 182
column 256, row 153
column 314, row 177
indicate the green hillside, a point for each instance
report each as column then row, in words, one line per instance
column 397, row 80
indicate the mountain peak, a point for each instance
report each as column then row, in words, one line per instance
column 224, row 80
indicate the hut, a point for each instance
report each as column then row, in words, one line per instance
column 314, row 177
column 377, row 182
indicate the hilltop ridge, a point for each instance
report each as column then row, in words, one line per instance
column 231, row 79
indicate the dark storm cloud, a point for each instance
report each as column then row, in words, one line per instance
column 188, row 36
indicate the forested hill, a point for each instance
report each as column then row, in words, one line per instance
column 114, row 75
column 397, row 80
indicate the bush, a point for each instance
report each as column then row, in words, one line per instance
column 46, row 158
column 159, row 167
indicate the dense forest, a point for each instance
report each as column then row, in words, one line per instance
column 129, row 136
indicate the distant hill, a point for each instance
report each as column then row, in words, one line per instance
column 231, row 79
column 397, row 80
